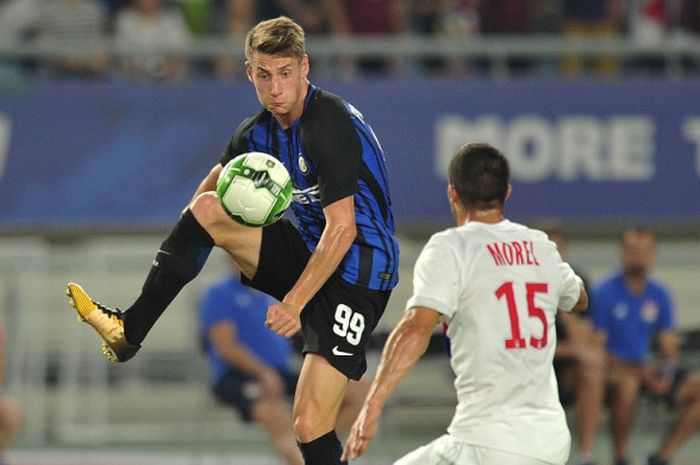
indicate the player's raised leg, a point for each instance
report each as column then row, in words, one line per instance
column 179, row 260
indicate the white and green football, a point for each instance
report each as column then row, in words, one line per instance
column 254, row 189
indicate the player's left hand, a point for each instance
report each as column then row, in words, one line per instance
column 283, row 319
column 362, row 432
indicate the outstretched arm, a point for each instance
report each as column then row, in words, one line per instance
column 339, row 233
column 406, row 343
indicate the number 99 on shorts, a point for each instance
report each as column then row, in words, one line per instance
column 348, row 324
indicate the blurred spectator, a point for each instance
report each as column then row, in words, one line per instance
column 251, row 368
column 592, row 19
column 648, row 20
column 74, row 23
column 630, row 309
column 10, row 413
column 198, row 15
column 453, row 19
column 16, row 17
column 690, row 16
column 312, row 15
column 689, row 24
column 579, row 364
column 69, row 24
column 648, row 25
column 545, row 16
column 458, row 19
column 240, row 15
column 151, row 35
column 507, row 17
column 368, row 18
column 236, row 17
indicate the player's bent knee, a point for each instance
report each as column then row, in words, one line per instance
column 305, row 429
column 206, row 209
column 208, row 212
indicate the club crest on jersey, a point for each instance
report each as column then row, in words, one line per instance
column 302, row 165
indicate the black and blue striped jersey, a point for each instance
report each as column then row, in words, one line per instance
column 331, row 153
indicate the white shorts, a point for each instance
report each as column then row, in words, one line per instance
column 446, row 450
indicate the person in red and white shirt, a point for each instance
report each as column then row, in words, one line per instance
column 498, row 285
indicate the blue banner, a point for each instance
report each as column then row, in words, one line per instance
column 75, row 154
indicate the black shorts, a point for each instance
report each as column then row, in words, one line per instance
column 241, row 391
column 338, row 320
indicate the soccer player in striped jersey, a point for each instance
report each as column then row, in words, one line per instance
column 499, row 285
column 332, row 271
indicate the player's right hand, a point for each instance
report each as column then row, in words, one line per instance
column 283, row 319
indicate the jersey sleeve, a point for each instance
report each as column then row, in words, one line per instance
column 571, row 286
column 436, row 278
column 334, row 146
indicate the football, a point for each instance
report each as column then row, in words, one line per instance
column 254, row 189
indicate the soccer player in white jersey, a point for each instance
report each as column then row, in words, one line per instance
column 498, row 285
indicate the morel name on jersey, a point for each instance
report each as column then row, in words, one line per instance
column 513, row 253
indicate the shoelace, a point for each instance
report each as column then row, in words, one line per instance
column 109, row 312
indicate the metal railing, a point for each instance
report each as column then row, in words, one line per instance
column 674, row 51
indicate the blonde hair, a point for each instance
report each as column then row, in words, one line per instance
column 280, row 36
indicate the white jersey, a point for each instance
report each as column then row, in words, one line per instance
column 499, row 287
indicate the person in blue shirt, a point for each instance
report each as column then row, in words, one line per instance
column 631, row 310
column 332, row 270
column 252, row 369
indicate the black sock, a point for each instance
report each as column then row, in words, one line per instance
column 180, row 258
column 325, row 450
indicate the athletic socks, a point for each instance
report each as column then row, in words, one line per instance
column 180, row 258
column 325, row 450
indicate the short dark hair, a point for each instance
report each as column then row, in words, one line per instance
column 279, row 36
column 480, row 174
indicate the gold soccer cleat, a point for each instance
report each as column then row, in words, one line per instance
column 108, row 323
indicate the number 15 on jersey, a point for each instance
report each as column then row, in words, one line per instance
column 516, row 341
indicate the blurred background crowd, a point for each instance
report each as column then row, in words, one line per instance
column 172, row 39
